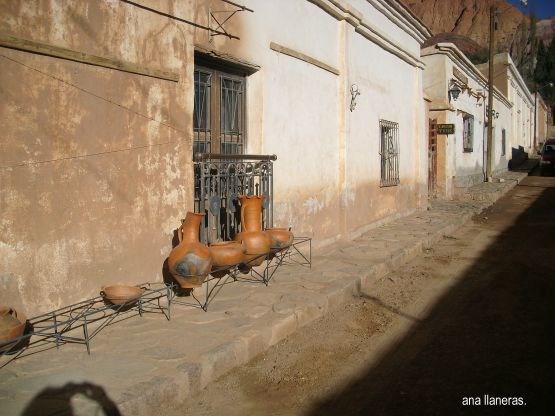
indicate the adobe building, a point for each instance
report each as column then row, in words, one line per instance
column 511, row 84
column 104, row 104
column 458, row 94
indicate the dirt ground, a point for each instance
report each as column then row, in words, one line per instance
column 469, row 321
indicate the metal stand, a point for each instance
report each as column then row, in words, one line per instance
column 212, row 285
column 90, row 316
column 299, row 253
column 294, row 254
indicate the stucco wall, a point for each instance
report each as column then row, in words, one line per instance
column 95, row 163
column 502, row 121
column 326, row 177
column 457, row 168
column 383, row 97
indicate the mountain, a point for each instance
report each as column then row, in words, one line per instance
column 546, row 30
column 466, row 23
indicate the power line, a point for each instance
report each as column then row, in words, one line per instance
column 101, row 98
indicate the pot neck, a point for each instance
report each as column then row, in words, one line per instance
column 190, row 227
column 251, row 212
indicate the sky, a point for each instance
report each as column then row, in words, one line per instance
column 544, row 8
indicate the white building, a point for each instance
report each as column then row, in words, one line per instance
column 458, row 95
column 509, row 81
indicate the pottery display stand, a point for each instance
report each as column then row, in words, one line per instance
column 81, row 322
column 298, row 253
column 212, row 286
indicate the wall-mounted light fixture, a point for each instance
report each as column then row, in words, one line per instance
column 494, row 114
column 454, row 92
column 354, row 94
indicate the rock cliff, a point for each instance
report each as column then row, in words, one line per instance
column 466, row 23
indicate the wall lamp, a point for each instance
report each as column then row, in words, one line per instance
column 494, row 114
column 354, row 94
column 454, row 93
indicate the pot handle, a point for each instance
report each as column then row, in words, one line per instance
column 242, row 219
column 11, row 311
column 180, row 231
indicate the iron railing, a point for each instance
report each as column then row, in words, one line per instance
column 219, row 180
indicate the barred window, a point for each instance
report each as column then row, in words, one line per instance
column 503, row 142
column 468, row 133
column 389, row 153
column 219, row 111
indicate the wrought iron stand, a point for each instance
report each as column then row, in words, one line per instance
column 90, row 316
column 299, row 253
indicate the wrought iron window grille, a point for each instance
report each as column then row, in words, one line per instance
column 219, row 111
column 389, row 153
column 219, row 180
column 468, row 133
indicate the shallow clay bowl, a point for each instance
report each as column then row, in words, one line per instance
column 118, row 294
column 12, row 325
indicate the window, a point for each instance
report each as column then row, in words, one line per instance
column 468, row 133
column 219, row 112
column 389, row 153
column 503, row 142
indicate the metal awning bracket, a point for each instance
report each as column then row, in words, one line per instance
column 216, row 24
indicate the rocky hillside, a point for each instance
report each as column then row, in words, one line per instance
column 455, row 20
column 546, row 30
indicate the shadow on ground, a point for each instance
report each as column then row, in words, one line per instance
column 492, row 334
column 72, row 399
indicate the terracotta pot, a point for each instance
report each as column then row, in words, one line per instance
column 226, row 253
column 256, row 241
column 118, row 294
column 281, row 237
column 190, row 261
column 12, row 325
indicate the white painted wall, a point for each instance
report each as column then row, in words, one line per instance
column 326, row 178
column 463, row 168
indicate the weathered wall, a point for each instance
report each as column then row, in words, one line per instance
column 541, row 120
column 96, row 164
column 502, row 120
column 445, row 67
column 382, row 98
column 510, row 83
column 326, row 177
column 95, row 167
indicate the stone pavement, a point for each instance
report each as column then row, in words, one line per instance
column 143, row 363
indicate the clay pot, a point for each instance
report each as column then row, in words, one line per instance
column 12, row 325
column 224, row 255
column 227, row 253
column 256, row 241
column 190, row 261
column 281, row 237
column 118, row 294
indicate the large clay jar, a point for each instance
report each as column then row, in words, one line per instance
column 256, row 241
column 12, row 325
column 190, row 261
column 281, row 238
column 224, row 255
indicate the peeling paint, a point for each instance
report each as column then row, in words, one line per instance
column 348, row 197
column 313, row 205
column 58, row 24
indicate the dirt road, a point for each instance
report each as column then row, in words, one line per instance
column 466, row 328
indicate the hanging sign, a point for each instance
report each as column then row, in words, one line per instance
column 445, row 129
